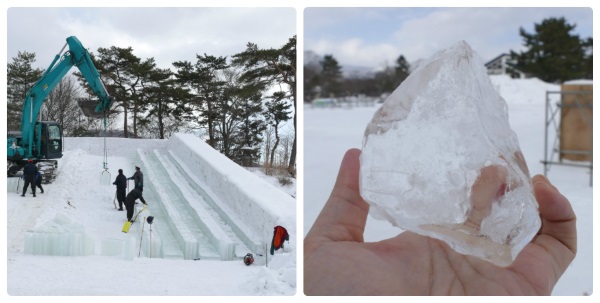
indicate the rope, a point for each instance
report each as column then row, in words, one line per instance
column 105, row 163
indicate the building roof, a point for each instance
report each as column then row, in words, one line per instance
column 500, row 56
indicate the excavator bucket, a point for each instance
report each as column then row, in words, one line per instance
column 88, row 107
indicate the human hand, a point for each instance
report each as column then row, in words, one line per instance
column 337, row 261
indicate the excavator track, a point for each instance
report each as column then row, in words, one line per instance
column 48, row 169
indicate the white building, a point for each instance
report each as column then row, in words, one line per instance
column 500, row 66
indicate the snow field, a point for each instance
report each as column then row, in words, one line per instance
column 115, row 254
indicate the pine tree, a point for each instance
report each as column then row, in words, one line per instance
column 116, row 66
column 20, row 77
column 331, row 77
column 277, row 112
column 162, row 97
column 312, row 72
column 402, row 70
column 553, row 53
column 202, row 81
column 249, row 130
column 269, row 67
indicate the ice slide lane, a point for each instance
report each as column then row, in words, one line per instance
column 197, row 227
column 242, row 235
column 174, row 211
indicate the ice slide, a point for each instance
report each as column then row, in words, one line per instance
column 205, row 207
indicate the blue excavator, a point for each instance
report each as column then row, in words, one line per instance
column 42, row 141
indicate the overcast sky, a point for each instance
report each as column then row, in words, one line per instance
column 372, row 37
column 167, row 34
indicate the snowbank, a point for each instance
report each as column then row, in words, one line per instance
column 522, row 91
column 579, row 82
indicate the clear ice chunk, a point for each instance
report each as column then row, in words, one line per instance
column 439, row 159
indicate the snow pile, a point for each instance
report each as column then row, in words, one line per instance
column 522, row 91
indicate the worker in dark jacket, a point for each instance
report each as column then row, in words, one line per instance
column 133, row 195
column 138, row 178
column 29, row 172
column 38, row 181
column 121, row 183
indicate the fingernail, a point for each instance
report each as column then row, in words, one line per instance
column 541, row 177
column 545, row 184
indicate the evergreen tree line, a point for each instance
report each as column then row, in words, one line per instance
column 553, row 53
column 323, row 78
column 237, row 104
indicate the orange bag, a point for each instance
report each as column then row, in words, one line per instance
column 280, row 235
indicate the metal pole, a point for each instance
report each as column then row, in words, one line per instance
column 150, row 242
column 105, row 163
column 142, row 235
column 546, row 136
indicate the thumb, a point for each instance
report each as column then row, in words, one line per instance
column 344, row 216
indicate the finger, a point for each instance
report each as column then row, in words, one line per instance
column 489, row 186
column 349, row 171
column 344, row 216
column 559, row 231
column 558, row 217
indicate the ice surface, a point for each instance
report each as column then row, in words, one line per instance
column 112, row 247
column 119, row 248
column 105, row 178
column 439, row 158
column 59, row 237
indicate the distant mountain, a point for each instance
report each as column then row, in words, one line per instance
column 355, row 71
column 352, row 71
column 348, row 71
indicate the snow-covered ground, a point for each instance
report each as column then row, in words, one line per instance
column 329, row 132
column 80, row 194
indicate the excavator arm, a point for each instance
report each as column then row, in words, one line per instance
column 41, row 141
column 77, row 56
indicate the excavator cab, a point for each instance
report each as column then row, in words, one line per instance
column 50, row 140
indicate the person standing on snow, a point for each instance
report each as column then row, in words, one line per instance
column 138, row 178
column 29, row 173
column 133, row 195
column 38, row 181
column 121, row 183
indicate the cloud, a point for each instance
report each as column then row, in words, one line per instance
column 357, row 52
column 167, row 34
column 418, row 33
